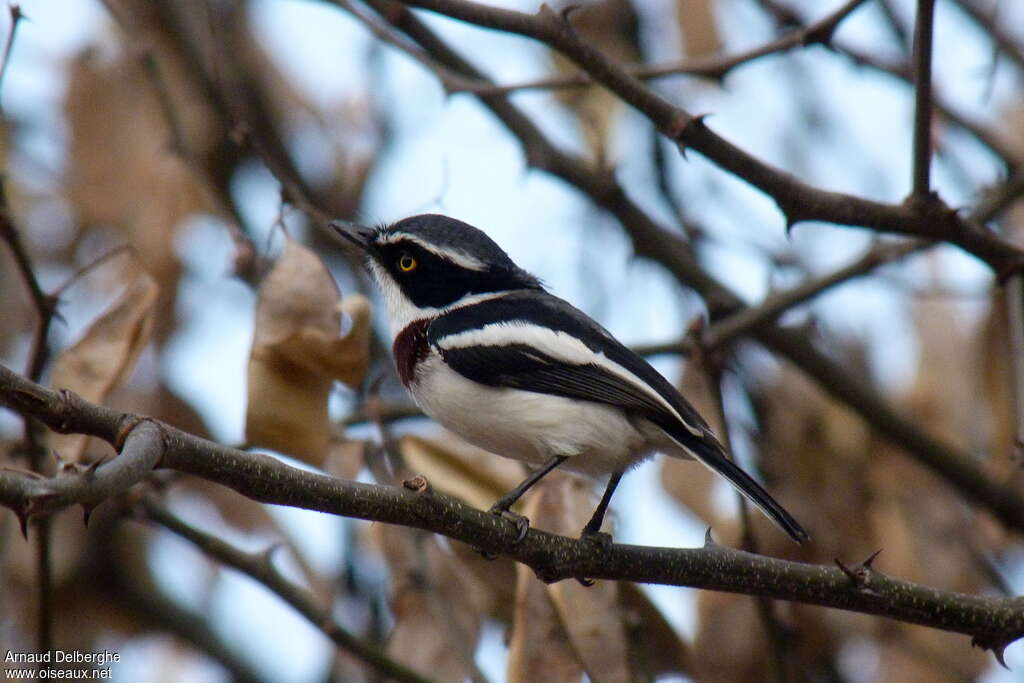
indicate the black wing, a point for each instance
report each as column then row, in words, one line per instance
column 523, row 366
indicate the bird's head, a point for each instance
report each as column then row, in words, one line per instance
column 427, row 263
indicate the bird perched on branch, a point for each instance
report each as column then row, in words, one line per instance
column 492, row 356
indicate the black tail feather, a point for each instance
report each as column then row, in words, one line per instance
column 711, row 453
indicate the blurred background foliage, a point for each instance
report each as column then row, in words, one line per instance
column 170, row 167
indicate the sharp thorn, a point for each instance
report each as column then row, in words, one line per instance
column 850, row 574
column 866, row 564
column 998, row 649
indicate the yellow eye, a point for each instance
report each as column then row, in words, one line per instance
column 407, row 263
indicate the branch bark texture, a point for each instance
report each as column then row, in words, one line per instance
column 992, row 622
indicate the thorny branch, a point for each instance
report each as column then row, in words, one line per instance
column 748, row 320
column 662, row 246
column 797, row 200
column 260, row 566
column 16, row 16
column 715, row 67
column 46, row 309
column 991, row 622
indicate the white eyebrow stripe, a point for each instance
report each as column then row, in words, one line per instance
column 559, row 345
column 456, row 256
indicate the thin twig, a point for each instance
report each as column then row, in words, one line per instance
column 46, row 308
column 749, row 320
column 92, row 265
column 45, row 304
column 16, row 17
column 986, row 135
column 1003, row 40
column 260, row 567
column 895, row 25
column 924, row 29
column 247, row 264
column 715, row 67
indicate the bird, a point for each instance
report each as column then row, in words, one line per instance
column 485, row 350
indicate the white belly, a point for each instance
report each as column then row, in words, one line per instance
column 528, row 426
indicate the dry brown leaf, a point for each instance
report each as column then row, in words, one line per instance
column 437, row 609
column 497, row 579
column 297, row 353
column 698, row 27
column 345, row 459
column 122, row 171
column 612, row 24
column 730, row 644
column 456, row 468
column 655, row 649
column 540, row 649
column 105, row 355
column 592, row 617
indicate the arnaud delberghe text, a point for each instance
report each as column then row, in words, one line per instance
column 63, row 656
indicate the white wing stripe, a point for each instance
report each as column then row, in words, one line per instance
column 559, row 345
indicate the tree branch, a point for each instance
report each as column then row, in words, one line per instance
column 922, row 154
column 16, row 15
column 797, row 200
column 260, row 567
column 984, row 134
column 662, row 246
column 46, row 308
column 988, row 23
column 748, row 320
column 992, row 622
column 715, row 67
column 30, row 494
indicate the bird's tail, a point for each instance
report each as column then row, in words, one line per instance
column 712, row 454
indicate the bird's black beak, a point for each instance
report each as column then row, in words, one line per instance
column 359, row 235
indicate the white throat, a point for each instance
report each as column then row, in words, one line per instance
column 402, row 311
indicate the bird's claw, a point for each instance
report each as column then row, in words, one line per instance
column 602, row 540
column 521, row 522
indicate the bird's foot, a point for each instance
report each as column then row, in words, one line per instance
column 602, row 540
column 521, row 522
column 599, row 539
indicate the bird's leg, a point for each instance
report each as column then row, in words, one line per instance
column 593, row 528
column 592, row 531
column 501, row 508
